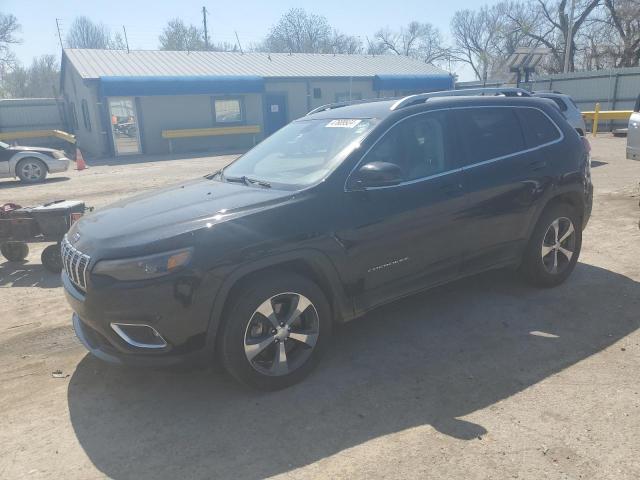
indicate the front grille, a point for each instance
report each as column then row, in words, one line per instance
column 75, row 264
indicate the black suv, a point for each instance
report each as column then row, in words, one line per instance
column 345, row 209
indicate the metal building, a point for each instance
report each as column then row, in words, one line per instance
column 121, row 103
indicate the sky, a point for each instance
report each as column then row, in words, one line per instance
column 251, row 19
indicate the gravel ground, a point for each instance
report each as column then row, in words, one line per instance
column 484, row 378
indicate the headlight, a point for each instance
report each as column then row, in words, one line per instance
column 142, row 268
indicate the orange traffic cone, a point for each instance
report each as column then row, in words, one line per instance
column 80, row 163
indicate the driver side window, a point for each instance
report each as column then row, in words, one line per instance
column 417, row 145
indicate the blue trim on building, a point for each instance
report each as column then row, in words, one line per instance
column 191, row 85
column 423, row 83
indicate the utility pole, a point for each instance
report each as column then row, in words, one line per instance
column 126, row 40
column 59, row 34
column 569, row 42
column 204, row 23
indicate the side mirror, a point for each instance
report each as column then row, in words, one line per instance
column 377, row 174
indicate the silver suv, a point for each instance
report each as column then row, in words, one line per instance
column 568, row 108
column 633, row 134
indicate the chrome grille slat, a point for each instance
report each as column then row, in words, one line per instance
column 75, row 264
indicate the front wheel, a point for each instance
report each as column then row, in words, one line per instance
column 31, row 170
column 275, row 330
column 554, row 247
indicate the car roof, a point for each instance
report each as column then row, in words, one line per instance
column 381, row 109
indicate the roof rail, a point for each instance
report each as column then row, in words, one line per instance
column 331, row 106
column 465, row 92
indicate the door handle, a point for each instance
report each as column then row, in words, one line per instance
column 538, row 165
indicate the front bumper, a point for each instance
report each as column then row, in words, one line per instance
column 182, row 327
column 57, row 165
column 102, row 348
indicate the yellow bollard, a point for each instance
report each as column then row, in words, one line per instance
column 596, row 114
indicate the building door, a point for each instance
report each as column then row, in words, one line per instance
column 276, row 112
column 124, row 125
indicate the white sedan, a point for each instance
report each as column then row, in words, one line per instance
column 31, row 164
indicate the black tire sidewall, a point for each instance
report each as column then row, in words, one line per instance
column 33, row 160
column 51, row 259
column 241, row 308
column 532, row 265
column 14, row 251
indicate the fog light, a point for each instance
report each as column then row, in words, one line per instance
column 139, row 335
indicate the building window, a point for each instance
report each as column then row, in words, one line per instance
column 346, row 97
column 73, row 116
column 228, row 110
column 317, row 93
column 85, row 115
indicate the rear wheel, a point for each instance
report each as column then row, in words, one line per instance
column 31, row 170
column 275, row 330
column 554, row 247
column 14, row 251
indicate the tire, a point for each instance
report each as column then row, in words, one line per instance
column 14, row 251
column 52, row 258
column 255, row 325
column 547, row 262
column 31, row 170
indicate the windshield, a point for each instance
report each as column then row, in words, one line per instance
column 301, row 153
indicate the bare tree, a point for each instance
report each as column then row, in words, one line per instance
column 417, row 40
column 84, row 33
column 300, row 32
column 9, row 26
column 39, row 80
column 556, row 13
column 179, row 36
column 475, row 35
column 182, row 37
column 624, row 17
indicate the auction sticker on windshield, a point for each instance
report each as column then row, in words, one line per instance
column 343, row 123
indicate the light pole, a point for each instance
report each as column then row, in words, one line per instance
column 569, row 42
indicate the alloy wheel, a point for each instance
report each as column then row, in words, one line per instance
column 31, row 171
column 281, row 334
column 558, row 245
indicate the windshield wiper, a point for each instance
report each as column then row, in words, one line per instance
column 247, row 181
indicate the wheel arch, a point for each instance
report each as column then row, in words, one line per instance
column 572, row 198
column 13, row 163
column 309, row 263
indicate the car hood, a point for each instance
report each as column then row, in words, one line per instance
column 170, row 212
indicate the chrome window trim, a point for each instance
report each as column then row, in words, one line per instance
column 459, row 169
column 122, row 334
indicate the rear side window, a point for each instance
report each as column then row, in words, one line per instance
column 538, row 129
column 490, row 132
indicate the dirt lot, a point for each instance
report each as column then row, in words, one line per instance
column 485, row 378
